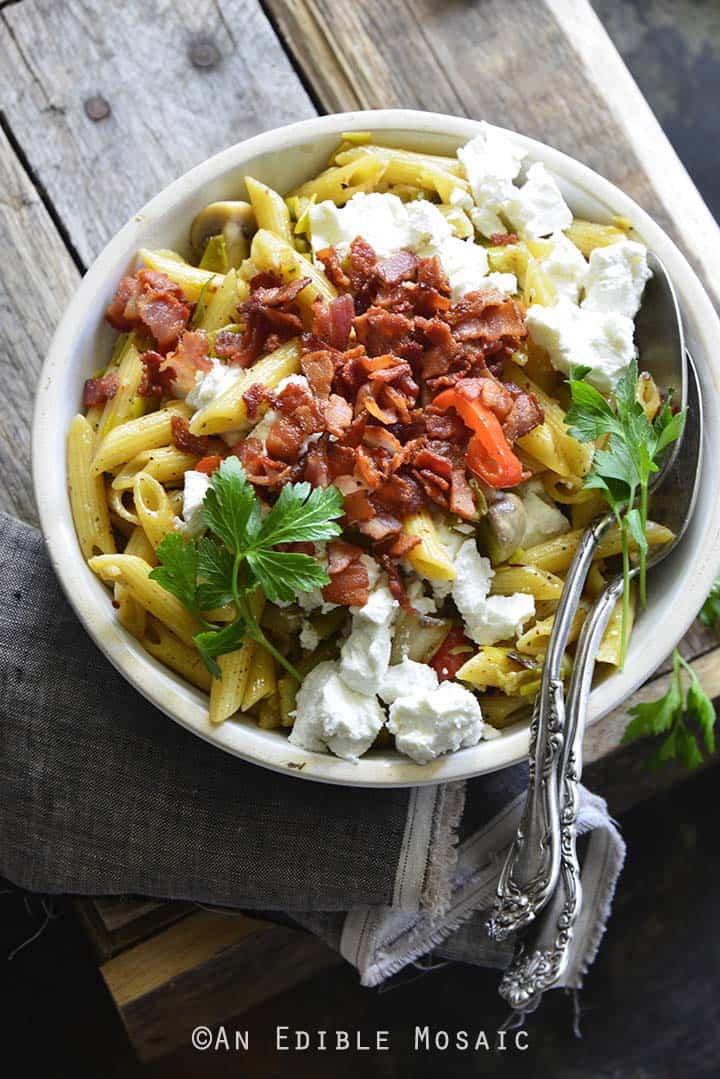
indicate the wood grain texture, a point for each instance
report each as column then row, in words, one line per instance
column 547, row 69
column 37, row 279
column 165, row 113
column 204, row 969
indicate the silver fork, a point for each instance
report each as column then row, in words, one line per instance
column 530, row 872
column 541, row 957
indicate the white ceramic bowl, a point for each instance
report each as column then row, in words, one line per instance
column 284, row 158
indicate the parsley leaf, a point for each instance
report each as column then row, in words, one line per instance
column 671, row 716
column 622, row 466
column 224, row 568
column 710, row 610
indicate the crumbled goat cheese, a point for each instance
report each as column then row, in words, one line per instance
column 194, row 491
column 293, row 380
column 488, row 619
column 565, row 267
column 616, row 278
column 212, row 384
column 313, row 600
column 537, row 208
column 309, row 639
column 416, row 594
column 390, row 225
column 331, row 715
column 572, row 335
column 407, row 676
column 429, row 722
column 491, row 164
column 365, row 655
column 373, row 570
column 543, row 519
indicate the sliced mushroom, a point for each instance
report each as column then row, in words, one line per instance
column 501, row 531
column 235, row 221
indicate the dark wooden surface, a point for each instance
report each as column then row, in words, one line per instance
column 102, row 103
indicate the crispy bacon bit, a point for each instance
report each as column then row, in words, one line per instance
column 317, row 471
column 358, row 507
column 185, row 441
column 349, row 583
column 489, row 316
column 97, row 390
column 382, row 331
column 209, row 464
column 379, row 527
column 332, row 321
column 338, row 415
column 461, row 497
column 157, row 378
column 228, row 344
column 400, row 267
column 275, row 295
column 501, row 239
column 395, row 582
column 299, row 417
column 267, row 314
column 319, row 369
column 153, row 301
column 333, row 269
column 190, row 356
column 260, row 469
column 525, row 415
column 253, row 397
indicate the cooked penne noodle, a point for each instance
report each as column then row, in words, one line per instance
column 138, row 544
column 221, row 307
column 269, row 252
column 429, row 558
column 228, row 691
column 582, row 513
column 648, row 395
column 229, row 411
column 270, row 717
column 166, row 647
column 610, row 648
column 587, row 235
column 339, row 184
column 191, row 279
column 550, row 443
column 122, row 507
column 87, row 492
column 535, row 582
column 534, row 641
column 270, row 209
column 261, row 680
column 501, row 711
column 126, row 404
column 166, row 464
column 154, row 509
column 135, row 573
column 494, row 668
column 408, row 167
column 130, row 438
column 556, row 554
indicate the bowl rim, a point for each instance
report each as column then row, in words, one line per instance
column 168, row 692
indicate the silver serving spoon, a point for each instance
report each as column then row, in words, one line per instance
column 531, row 869
column 542, row 956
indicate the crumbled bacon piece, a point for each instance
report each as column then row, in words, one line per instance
column 382, row 525
column 185, row 441
column 190, row 356
column 461, row 497
column 152, row 301
column 338, row 415
column 399, row 267
column 299, row 417
column 333, row 269
column 158, row 377
column 319, row 369
column 332, row 321
column 228, row 344
column 98, row 390
column 253, row 397
column 349, row 582
column 260, row 469
column 500, row 239
column 524, row 416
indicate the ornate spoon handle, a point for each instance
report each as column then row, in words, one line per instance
column 531, row 868
column 542, row 954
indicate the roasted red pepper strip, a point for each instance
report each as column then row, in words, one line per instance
column 209, row 464
column 489, row 454
column 455, row 650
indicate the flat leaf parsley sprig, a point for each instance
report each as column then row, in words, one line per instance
column 622, row 469
column 670, row 715
column 239, row 555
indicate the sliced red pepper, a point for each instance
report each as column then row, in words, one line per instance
column 489, row 454
column 455, row 650
column 209, row 464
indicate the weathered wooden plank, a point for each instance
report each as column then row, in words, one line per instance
column 543, row 67
column 111, row 102
column 204, row 969
column 37, row 279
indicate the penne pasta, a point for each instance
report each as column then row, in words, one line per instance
column 587, row 235
column 529, row 579
column 534, row 641
column 191, row 279
column 429, row 558
column 170, row 650
column 495, row 668
column 229, row 411
column 132, row 437
column 610, row 648
column 501, row 711
column 550, row 443
column 556, row 554
column 153, row 508
column 126, row 404
column 166, row 464
column 261, row 680
column 270, row 252
column 87, row 492
column 228, row 691
column 339, row 184
column 135, row 573
column 221, row 307
column 270, row 209
column 441, row 175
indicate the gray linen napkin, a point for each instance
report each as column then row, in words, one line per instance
column 102, row 795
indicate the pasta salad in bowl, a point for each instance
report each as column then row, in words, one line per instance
column 329, row 471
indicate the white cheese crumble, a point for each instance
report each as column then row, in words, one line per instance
column 602, row 340
column 194, row 491
column 491, row 164
column 537, row 208
column 488, row 619
column 565, row 267
column 309, row 639
column 390, row 225
column 331, row 715
column 209, row 385
column 543, row 519
column 407, row 676
column 616, row 277
column 429, row 722
column 365, row 655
